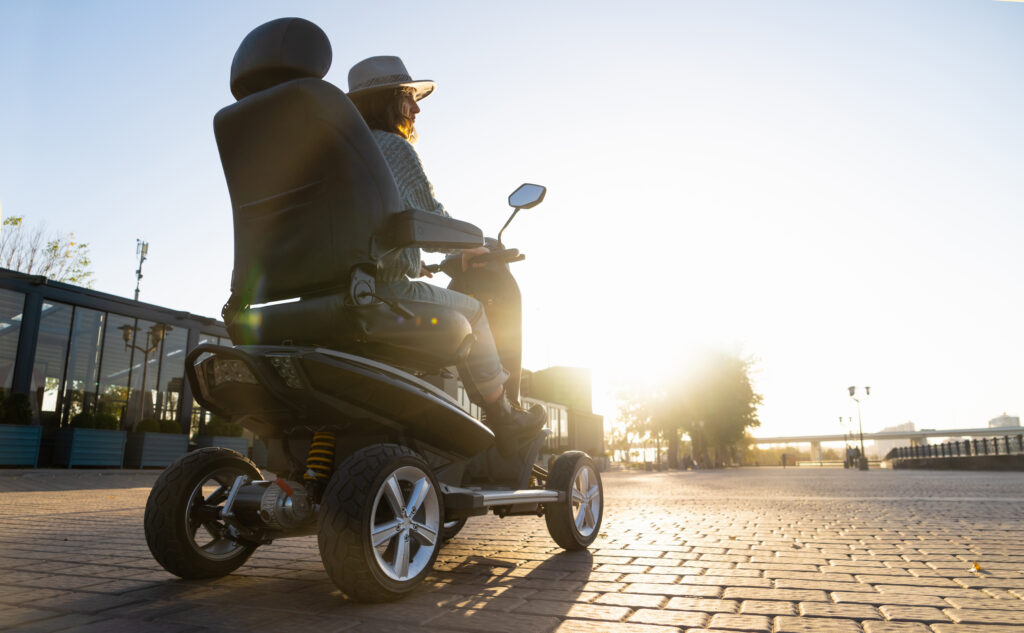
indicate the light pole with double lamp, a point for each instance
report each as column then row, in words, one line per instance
column 862, row 463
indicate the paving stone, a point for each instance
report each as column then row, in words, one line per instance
column 703, row 604
column 734, row 621
column 793, row 595
column 495, row 621
column 789, row 624
column 895, row 627
column 976, row 628
column 917, row 614
column 634, row 600
column 828, row 610
column 984, row 603
column 588, row 626
column 912, row 600
column 669, row 618
column 767, row 607
column 697, row 591
column 985, row 616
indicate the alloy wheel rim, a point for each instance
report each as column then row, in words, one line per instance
column 212, row 542
column 405, row 522
column 586, row 501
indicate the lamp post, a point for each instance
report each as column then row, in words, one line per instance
column 862, row 464
column 154, row 336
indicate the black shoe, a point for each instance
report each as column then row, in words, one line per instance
column 511, row 425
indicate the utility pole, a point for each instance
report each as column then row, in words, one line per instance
column 141, row 250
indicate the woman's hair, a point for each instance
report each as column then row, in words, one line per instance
column 382, row 110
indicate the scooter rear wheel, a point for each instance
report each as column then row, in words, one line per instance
column 575, row 522
column 380, row 523
column 183, row 531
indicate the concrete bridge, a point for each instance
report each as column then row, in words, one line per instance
column 915, row 437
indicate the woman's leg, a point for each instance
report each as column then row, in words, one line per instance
column 484, row 366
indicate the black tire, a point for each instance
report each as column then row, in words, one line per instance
column 173, row 532
column 356, row 505
column 575, row 522
column 452, row 528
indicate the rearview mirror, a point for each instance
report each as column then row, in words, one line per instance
column 527, row 196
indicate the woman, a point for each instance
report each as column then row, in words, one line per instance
column 387, row 97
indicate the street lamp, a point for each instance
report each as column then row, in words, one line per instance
column 154, row 336
column 863, row 463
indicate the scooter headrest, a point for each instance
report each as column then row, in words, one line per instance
column 280, row 50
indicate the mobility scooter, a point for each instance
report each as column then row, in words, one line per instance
column 378, row 462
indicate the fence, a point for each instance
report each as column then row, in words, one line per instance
column 1005, row 445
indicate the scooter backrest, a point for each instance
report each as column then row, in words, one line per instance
column 309, row 187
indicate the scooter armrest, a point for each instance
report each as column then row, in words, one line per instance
column 431, row 231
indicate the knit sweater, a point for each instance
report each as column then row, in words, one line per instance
column 416, row 192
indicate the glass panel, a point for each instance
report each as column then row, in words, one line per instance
column 11, row 305
column 172, row 373
column 48, row 368
column 147, row 340
column 116, row 369
column 83, row 363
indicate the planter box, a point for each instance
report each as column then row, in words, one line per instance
column 89, row 447
column 154, row 449
column 240, row 444
column 19, row 445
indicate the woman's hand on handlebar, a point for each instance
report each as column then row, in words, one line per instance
column 469, row 253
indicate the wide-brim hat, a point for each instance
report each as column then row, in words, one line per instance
column 385, row 71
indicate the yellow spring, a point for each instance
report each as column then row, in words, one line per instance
column 320, row 461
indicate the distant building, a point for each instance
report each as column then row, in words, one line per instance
column 1004, row 421
column 883, row 447
column 566, row 393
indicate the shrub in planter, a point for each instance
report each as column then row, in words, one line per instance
column 19, row 439
column 107, row 421
column 16, row 409
column 220, row 432
column 151, row 445
column 90, row 440
column 83, row 420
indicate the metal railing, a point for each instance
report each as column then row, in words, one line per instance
column 1005, row 445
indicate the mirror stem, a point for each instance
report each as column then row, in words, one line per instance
column 506, row 226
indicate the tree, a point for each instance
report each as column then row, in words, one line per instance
column 34, row 252
column 716, row 405
column 712, row 401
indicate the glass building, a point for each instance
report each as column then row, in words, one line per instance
column 72, row 350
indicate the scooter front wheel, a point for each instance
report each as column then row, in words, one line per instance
column 575, row 522
column 380, row 523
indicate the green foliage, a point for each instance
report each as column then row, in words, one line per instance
column 219, row 426
column 34, row 252
column 106, row 421
column 147, row 425
column 170, row 426
column 83, row 420
column 712, row 401
column 15, row 408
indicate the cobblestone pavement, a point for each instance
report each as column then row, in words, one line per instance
column 793, row 550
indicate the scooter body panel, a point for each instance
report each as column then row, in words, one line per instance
column 287, row 387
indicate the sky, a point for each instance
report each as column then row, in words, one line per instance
column 831, row 188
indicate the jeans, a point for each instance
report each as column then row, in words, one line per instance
column 486, row 373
